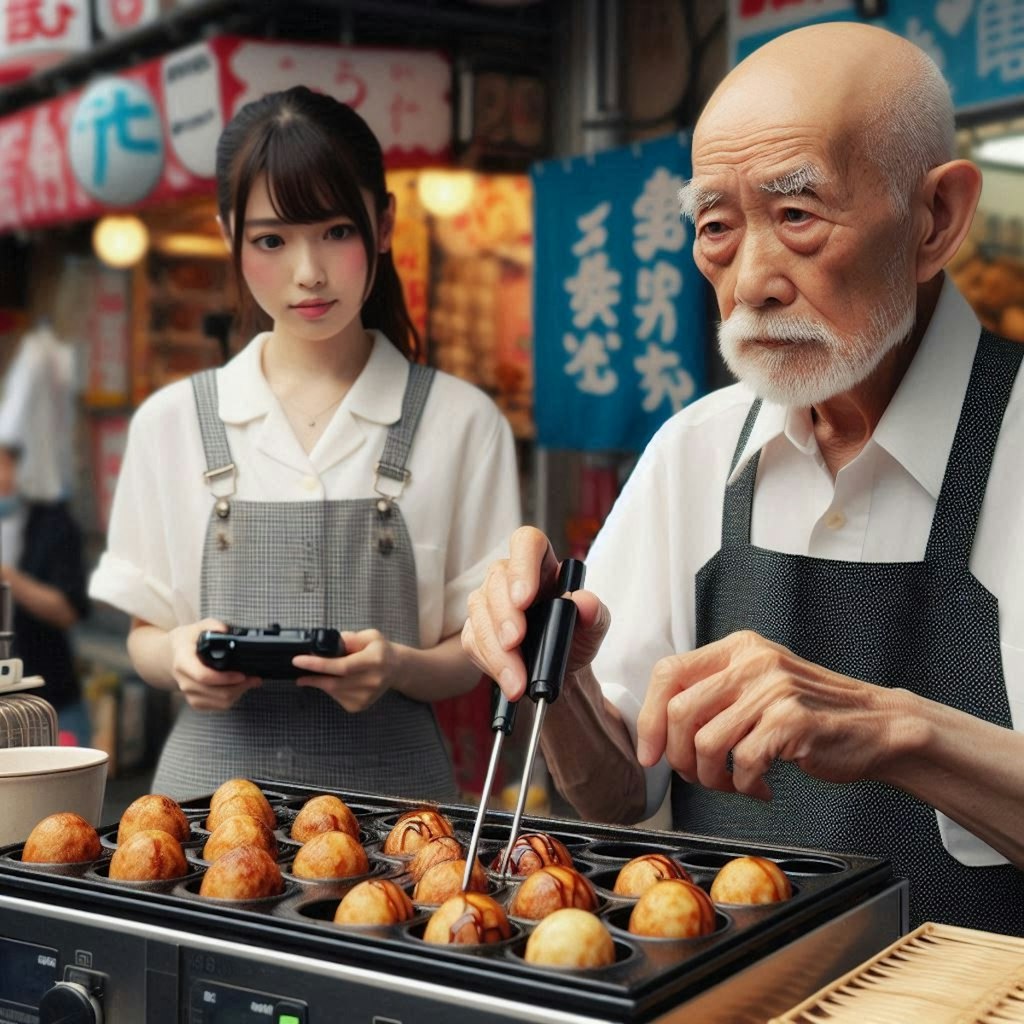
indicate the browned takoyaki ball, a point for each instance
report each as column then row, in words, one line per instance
column 244, row 803
column 235, row 787
column 434, row 851
column 324, row 814
column 570, row 938
column 153, row 810
column 63, row 838
column 416, row 828
column 532, row 851
column 673, row 909
column 239, row 830
column 244, row 873
column 148, row 856
column 639, row 874
column 551, row 888
column 750, row 880
column 375, row 901
column 471, row 918
column 444, row 880
column 331, row 855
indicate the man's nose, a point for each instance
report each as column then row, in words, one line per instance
column 760, row 268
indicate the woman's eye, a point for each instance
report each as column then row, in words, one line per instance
column 268, row 242
column 339, row 232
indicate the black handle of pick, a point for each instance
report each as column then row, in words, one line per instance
column 550, row 626
column 503, row 713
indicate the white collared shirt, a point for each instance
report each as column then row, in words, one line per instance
column 460, row 504
column 667, row 522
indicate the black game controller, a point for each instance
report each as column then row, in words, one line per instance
column 266, row 652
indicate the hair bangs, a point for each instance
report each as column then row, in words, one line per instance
column 307, row 179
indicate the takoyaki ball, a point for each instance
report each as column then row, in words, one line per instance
column 415, row 829
column 239, row 830
column 330, row 855
column 434, row 851
column 376, row 901
column 63, row 838
column 235, row 787
column 148, row 856
column 570, row 938
column 750, row 880
column 471, row 918
column 673, row 909
column 637, row 876
column 244, row 873
column 532, row 851
column 153, row 811
column 258, row 807
column 552, row 888
column 444, row 880
column 324, row 814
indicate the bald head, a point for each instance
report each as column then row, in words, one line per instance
column 877, row 97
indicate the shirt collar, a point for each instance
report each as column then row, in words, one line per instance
column 916, row 428
column 376, row 395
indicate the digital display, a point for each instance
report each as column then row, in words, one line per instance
column 225, row 1004
column 26, row 972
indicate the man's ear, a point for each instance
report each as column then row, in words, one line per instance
column 386, row 226
column 225, row 234
column 950, row 196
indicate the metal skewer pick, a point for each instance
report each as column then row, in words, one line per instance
column 549, row 628
column 502, row 721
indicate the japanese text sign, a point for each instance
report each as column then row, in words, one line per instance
column 977, row 44
column 619, row 305
column 36, row 33
column 149, row 134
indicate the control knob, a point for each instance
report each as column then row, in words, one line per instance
column 70, row 1003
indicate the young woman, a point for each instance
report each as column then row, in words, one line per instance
column 322, row 477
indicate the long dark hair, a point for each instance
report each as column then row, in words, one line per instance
column 317, row 154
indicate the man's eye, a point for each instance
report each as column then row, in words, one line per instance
column 712, row 227
column 795, row 216
column 339, row 232
column 268, row 242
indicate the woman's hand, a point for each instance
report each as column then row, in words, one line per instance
column 359, row 678
column 205, row 689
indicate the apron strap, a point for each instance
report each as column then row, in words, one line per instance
column 220, row 470
column 739, row 495
column 996, row 363
column 391, row 472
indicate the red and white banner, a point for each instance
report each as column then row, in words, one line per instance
column 149, row 134
column 35, row 34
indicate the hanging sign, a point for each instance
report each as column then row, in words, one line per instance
column 149, row 134
column 35, row 34
column 619, row 329
column 977, row 44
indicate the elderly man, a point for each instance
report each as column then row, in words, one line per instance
column 815, row 577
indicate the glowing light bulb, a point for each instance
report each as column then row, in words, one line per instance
column 120, row 240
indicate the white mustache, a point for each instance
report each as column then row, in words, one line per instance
column 747, row 326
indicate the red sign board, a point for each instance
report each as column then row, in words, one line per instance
column 403, row 94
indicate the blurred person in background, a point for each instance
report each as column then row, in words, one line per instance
column 41, row 551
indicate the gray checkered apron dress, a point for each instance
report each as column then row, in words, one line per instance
column 929, row 627
column 347, row 564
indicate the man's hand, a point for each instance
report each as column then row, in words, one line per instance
column 760, row 701
column 497, row 612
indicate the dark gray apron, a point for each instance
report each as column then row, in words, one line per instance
column 304, row 564
column 929, row 627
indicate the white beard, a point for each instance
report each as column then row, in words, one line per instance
column 814, row 363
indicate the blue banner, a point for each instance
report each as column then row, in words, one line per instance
column 619, row 306
column 977, row 44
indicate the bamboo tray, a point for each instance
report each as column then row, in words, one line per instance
column 936, row 973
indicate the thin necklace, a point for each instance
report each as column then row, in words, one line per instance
column 312, row 417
